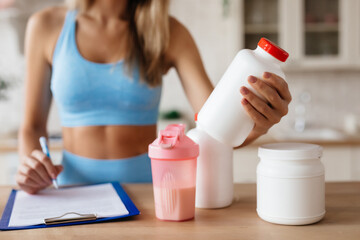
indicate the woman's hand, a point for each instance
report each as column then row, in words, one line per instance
column 36, row 172
column 265, row 113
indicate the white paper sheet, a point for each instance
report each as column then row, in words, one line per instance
column 101, row 200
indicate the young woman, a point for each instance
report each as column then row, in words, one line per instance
column 102, row 61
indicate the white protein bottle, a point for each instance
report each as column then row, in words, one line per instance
column 214, row 174
column 222, row 116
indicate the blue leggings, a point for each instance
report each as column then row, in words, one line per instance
column 82, row 170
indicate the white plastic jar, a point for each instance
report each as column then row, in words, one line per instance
column 290, row 183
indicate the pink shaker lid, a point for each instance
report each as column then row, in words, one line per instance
column 173, row 144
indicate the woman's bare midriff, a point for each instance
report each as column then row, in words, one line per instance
column 108, row 142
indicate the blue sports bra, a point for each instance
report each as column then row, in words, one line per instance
column 89, row 93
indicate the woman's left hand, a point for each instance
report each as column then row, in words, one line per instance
column 266, row 113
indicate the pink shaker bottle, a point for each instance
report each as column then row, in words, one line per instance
column 173, row 163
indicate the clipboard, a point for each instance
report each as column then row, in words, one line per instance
column 78, row 219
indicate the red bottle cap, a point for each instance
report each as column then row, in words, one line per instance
column 273, row 49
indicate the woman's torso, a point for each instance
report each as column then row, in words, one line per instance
column 100, row 45
column 108, row 142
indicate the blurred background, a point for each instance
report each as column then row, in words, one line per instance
column 323, row 72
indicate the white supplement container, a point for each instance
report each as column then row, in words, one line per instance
column 222, row 115
column 214, row 175
column 290, row 184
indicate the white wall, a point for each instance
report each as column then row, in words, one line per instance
column 12, row 67
column 334, row 95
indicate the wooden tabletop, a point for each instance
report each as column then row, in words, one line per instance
column 239, row 221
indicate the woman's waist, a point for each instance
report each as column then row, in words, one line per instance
column 108, row 142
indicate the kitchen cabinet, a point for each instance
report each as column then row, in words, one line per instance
column 319, row 35
column 355, row 171
column 260, row 20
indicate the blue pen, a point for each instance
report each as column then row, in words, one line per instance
column 46, row 151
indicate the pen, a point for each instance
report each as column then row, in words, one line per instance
column 46, row 151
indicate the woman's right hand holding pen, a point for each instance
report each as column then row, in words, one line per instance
column 36, row 172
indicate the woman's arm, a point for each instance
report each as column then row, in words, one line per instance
column 36, row 170
column 184, row 56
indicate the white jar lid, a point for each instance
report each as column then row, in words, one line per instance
column 290, row 151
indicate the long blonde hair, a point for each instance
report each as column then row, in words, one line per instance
column 149, row 35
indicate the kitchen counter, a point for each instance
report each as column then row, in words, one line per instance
column 10, row 144
column 348, row 141
column 239, row 221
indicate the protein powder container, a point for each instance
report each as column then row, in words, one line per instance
column 290, row 183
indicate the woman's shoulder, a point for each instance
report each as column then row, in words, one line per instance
column 48, row 19
column 180, row 39
column 45, row 26
column 178, row 32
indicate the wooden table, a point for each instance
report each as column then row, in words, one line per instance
column 240, row 221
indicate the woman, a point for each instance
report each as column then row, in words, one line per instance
column 103, row 61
